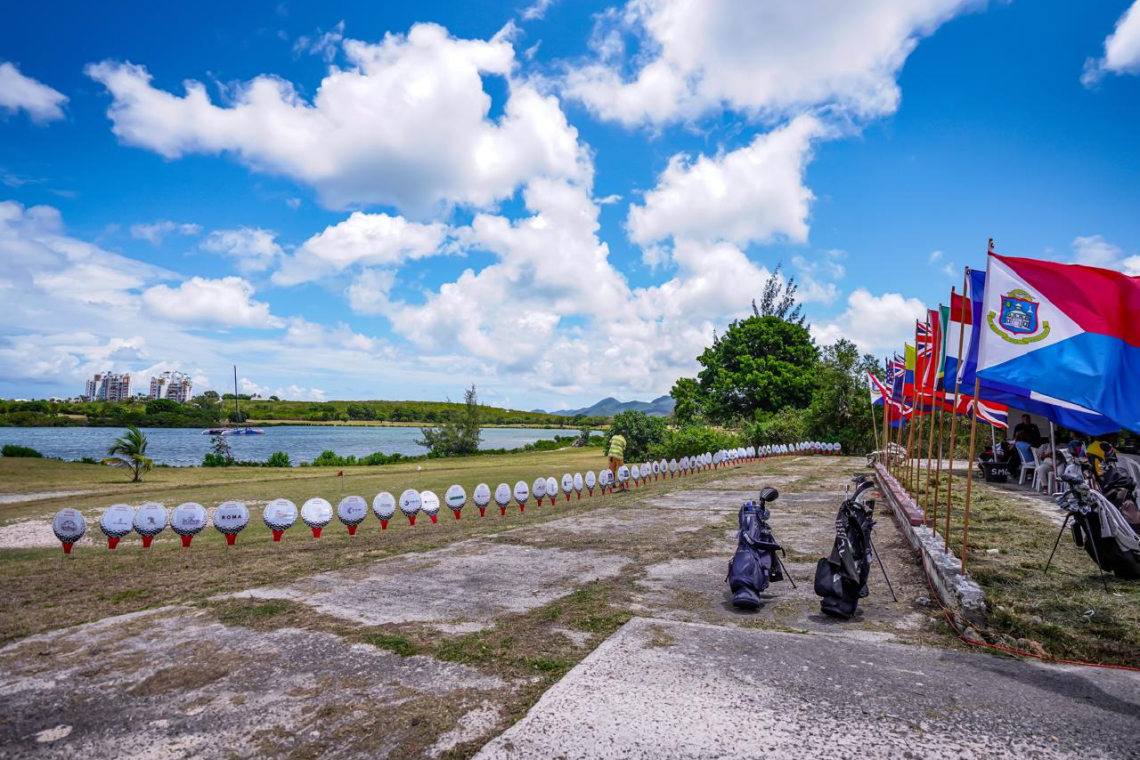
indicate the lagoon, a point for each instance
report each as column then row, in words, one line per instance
column 184, row 447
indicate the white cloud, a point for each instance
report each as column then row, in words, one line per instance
column 254, row 249
column 1121, row 49
column 19, row 92
column 753, row 194
column 324, row 45
column 767, row 59
column 537, row 9
column 301, row 332
column 405, row 124
column 369, row 291
column 1095, row 251
column 361, row 239
column 226, row 302
column 874, row 323
column 155, row 232
column 935, row 256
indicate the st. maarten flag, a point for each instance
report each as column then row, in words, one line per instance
column 1067, row 331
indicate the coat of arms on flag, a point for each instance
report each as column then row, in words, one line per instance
column 1019, row 319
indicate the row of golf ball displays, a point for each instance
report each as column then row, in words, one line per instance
column 231, row 517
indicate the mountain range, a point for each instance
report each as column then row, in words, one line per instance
column 608, row 407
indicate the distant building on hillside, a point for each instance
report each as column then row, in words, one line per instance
column 175, row 386
column 108, row 386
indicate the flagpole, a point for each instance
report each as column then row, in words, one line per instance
column 930, row 422
column 874, row 424
column 970, row 472
column 938, row 472
column 1053, row 452
column 957, row 391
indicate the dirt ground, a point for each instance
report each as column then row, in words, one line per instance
column 433, row 653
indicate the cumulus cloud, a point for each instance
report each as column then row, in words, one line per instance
column 254, row 249
column 225, row 302
column 155, row 232
column 766, row 59
column 361, row 239
column 22, row 93
column 874, row 323
column 1095, row 251
column 1121, row 50
column 753, row 194
column 404, row 124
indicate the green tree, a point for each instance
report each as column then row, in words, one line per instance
column 641, row 433
column 789, row 425
column 840, row 407
column 688, row 401
column 460, row 433
column 129, row 452
column 163, row 406
column 779, row 299
column 761, row 364
column 220, row 448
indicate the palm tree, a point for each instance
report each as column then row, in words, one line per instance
column 130, row 452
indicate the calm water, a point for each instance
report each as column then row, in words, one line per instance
column 183, row 447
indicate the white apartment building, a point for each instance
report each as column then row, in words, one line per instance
column 108, row 386
column 175, row 386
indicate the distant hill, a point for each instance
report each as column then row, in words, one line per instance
column 608, row 407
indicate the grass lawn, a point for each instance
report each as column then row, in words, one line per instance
column 1065, row 614
column 45, row 589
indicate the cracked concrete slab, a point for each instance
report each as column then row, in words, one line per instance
column 175, row 683
column 459, row 588
column 681, row 690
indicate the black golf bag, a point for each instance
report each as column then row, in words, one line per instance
column 1120, row 488
column 1099, row 525
column 755, row 564
column 841, row 578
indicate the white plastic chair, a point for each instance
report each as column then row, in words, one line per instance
column 1042, row 472
column 1028, row 460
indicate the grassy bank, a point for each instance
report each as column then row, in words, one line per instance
column 1065, row 614
column 45, row 590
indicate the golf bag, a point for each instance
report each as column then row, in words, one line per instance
column 1100, row 528
column 755, row 564
column 1120, row 488
column 841, row 578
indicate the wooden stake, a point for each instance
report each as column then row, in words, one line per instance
column 954, row 414
column 970, row 473
column 938, row 472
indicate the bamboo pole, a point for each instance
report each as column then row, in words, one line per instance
column 970, row 473
column 886, row 436
column 938, row 472
column 954, row 413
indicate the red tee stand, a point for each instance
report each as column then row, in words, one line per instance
column 146, row 541
column 186, row 541
column 316, row 532
column 277, row 536
column 383, row 525
column 231, row 538
column 112, row 542
column 351, row 530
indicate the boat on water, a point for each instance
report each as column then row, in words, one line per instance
column 247, row 430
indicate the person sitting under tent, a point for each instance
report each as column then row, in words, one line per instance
column 1027, row 431
column 1076, row 445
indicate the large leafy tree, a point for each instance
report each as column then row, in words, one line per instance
column 840, row 409
column 688, row 401
column 641, row 433
column 761, row 364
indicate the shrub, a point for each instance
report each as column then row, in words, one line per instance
column 213, row 460
column 690, row 440
column 640, row 430
column 12, row 450
column 278, row 459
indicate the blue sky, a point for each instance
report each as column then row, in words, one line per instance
column 556, row 202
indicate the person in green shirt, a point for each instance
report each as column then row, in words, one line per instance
column 616, row 453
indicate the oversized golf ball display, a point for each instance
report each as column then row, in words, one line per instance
column 351, row 511
column 522, row 493
column 316, row 513
column 591, row 481
column 116, row 522
column 578, row 483
column 429, row 503
column 672, row 468
column 68, row 526
column 384, row 506
column 623, row 474
column 567, row 485
column 410, row 505
column 150, row 520
column 230, row 518
column 634, row 474
column 279, row 516
column 482, row 497
column 539, row 489
column 552, row 489
column 187, row 521
column 502, row 497
column 456, row 499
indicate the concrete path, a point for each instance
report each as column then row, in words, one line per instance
column 663, row 689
